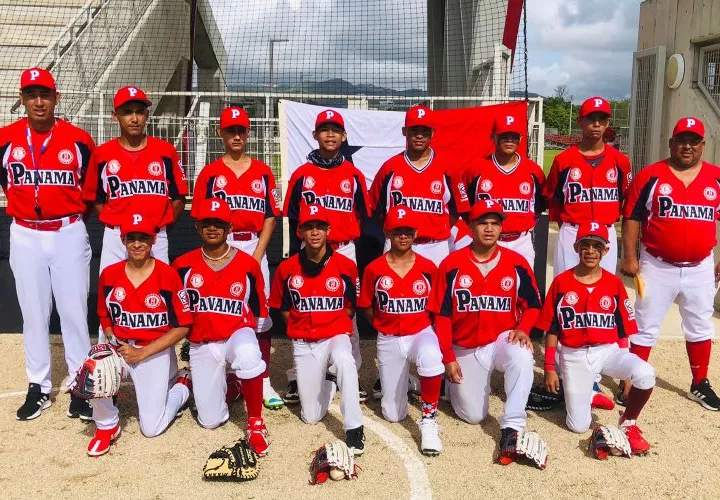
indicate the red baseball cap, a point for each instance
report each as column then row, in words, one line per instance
column 400, row 216
column 419, row 116
column 507, row 124
column 37, row 77
column 595, row 105
column 593, row 231
column 137, row 223
column 314, row 212
column 689, row 124
column 234, row 116
column 329, row 116
column 214, row 208
column 484, row 207
column 129, row 94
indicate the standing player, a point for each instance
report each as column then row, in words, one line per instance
column 248, row 186
column 514, row 181
column 394, row 295
column 140, row 309
column 44, row 160
column 486, row 302
column 329, row 180
column 675, row 204
column 588, row 311
column 316, row 291
column 224, row 290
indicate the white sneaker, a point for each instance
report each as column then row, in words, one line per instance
column 430, row 432
column 271, row 399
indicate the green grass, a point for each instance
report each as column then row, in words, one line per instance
column 548, row 158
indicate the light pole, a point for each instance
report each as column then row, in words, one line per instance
column 570, row 117
column 273, row 41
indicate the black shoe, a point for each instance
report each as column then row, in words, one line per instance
column 291, row 396
column 508, row 446
column 80, row 408
column 185, row 351
column 703, row 394
column 620, row 395
column 35, row 402
column 362, row 393
column 377, row 390
column 355, row 440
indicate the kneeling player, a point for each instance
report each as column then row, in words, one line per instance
column 224, row 289
column 588, row 311
column 316, row 291
column 140, row 309
column 485, row 302
column 394, row 296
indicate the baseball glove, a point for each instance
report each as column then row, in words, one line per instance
column 542, row 400
column 100, row 374
column 236, row 462
column 333, row 460
column 609, row 440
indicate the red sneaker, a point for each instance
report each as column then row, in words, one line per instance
column 638, row 443
column 257, row 435
column 234, row 388
column 100, row 443
column 602, row 401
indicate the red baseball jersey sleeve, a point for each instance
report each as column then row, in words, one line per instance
column 481, row 307
column 399, row 304
column 318, row 305
column 144, row 313
column 61, row 156
column 678, row 222
column 581, row 192
column 253, row 197
column 583, row 315
column 145, row 186
column 433, row 192
column 520, row 190
column 224, row 301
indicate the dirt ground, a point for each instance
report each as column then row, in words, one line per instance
column 46, row 457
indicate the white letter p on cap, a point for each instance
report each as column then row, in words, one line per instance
column 401, row 213
column 235, row 113
column 214, row 206
column 34, row 74
column 421, row 112
column 137, row 219
column 509, row 120
column 132, row 91
column 313, row 210
column 690, row 123
column 329, row 114
column 598, row 103
column 594, row 226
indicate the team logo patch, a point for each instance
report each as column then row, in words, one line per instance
column 152, row 301
column 155, row 168
column 332, row 284
column 571, row 298
column 66, row 157
column 182, row 170
column 507, row 283
column 525, row 187
column 346, row 186
column 309, row 182
column 612, row 175
column 606, row 302
column 119, row 294
column 386, row 282
column 236, row 289
column 257, row 186
column 665, row 189
column 710, row 193
column 297, row 282
column 221, row 181
column 420, row 287
column 575, row 174
column 197, row 280
column 465, row 281
column 113, row 166
column 486, row 185
column 436, row 187
column 629, row 308
column 463, row 191
column 18, row 153
column 398, row 182
column 276, row 195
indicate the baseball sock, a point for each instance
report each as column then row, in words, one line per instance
column 642, row 352
column 264, row 343
column 635, row 402
column 699, row 356
column 253, row 392
column 430, row 394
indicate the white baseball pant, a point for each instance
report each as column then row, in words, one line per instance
column 47, row 264
column 523, row 245
column 208, row 361
column 311, row 361
column 249, row 246
column 158, row 396
column 694, row 289
column 566, row 257
column 435, row 251
column 394, row 354
column 580, row 366
column 470, row 399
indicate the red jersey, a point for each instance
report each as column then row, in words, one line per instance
column 144, row 313
column 519, row 190
column 583, row 193
column 252, row 197
column 317, row 304
column 222, row 301
column 678, row 222
column 432, row 193
column 145, row 186
column 341, row 190
column 585, row 315
column 399, row 303
column 482, row 307
column 61, row 155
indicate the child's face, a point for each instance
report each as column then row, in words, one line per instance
column 591, row 252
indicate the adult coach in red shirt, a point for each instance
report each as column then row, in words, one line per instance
column 44, row 161
column 672, row 207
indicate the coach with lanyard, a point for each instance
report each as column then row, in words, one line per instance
column 44, row 161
